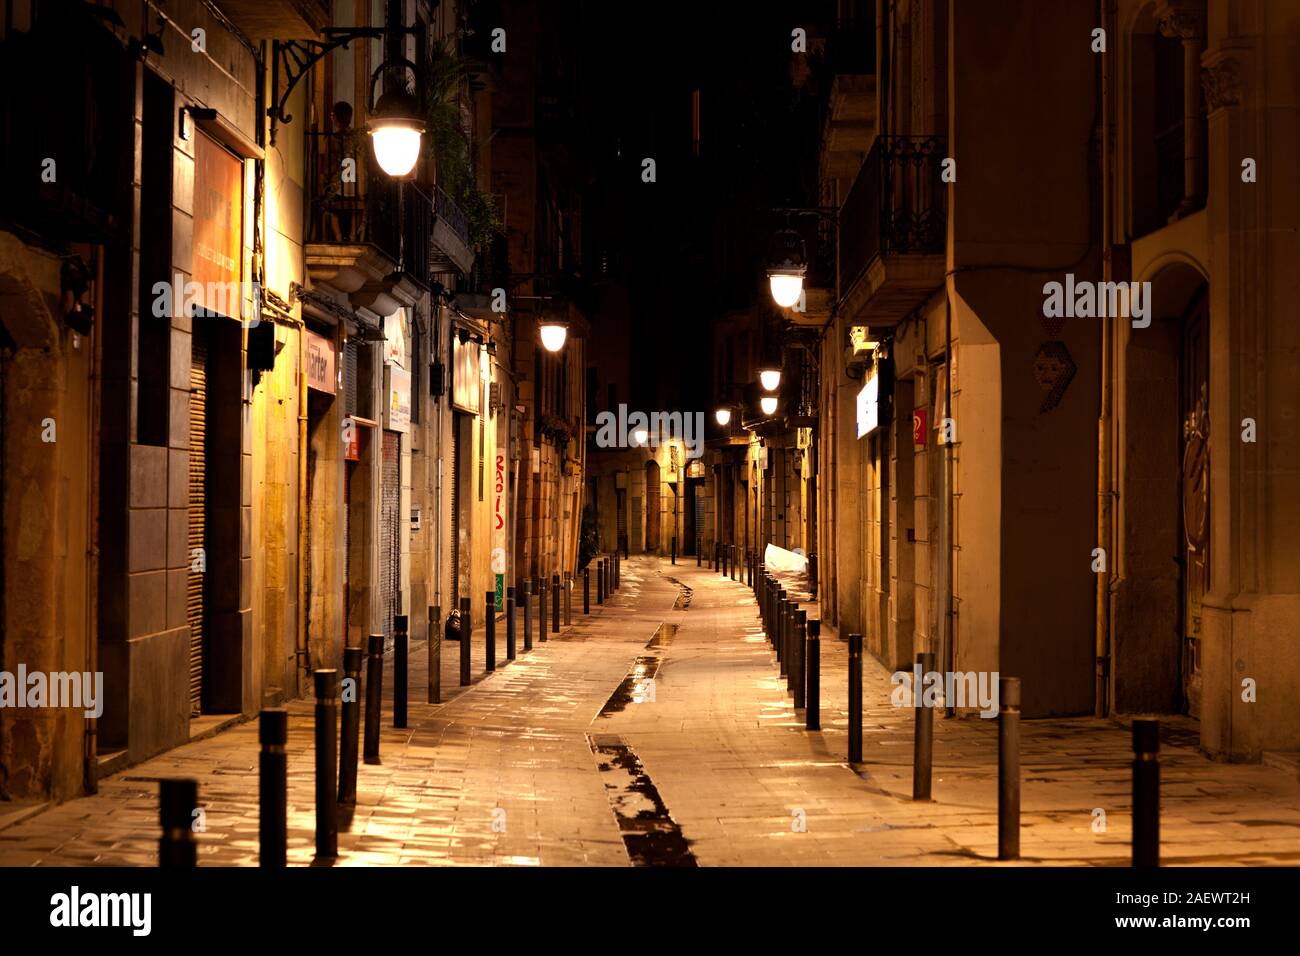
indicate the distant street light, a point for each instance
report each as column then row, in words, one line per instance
column 770, row 377
column 723, row 415
column 768, row 404
column 640, row 436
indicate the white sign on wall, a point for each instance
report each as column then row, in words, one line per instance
column 869, row 406
column 397, row 410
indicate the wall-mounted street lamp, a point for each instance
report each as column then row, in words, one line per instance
column 640, row 437
column 553, row 333
column 787, row 267
column 768, row 404
column 769, row 376
column 395, row 124
column 723, row 416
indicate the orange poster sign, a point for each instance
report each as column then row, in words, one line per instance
column 218, row 226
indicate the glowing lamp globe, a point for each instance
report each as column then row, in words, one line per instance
column 768, row 404
column 723, row 415
column 770, row 379
column 396, row 130
column 786, row 289
column 553, row 336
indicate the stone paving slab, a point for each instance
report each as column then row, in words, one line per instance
column 720, row 742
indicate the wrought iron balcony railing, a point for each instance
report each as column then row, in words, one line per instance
column 351, row 203
column 898, row 204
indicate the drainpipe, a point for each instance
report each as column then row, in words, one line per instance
column 90, row 757
column 304, row 652
column 1101, row 695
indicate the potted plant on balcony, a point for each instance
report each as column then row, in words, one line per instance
column 444, row 74
column 559, row 430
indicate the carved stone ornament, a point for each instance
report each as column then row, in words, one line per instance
column 1181, row 19
column 1222, row 83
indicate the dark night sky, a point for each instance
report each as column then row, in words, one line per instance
column 691, row 244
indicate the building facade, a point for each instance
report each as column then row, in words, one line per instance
column 1085, row 497
column 276, row 397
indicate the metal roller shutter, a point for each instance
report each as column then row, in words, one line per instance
column 197, row 515
column 390, row 529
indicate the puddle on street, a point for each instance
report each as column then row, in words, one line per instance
column 650, row 834
column 684, row 599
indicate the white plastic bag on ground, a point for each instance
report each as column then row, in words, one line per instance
column 782, row 561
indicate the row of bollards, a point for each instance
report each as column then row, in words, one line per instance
column 336, row 733
column 796, row 641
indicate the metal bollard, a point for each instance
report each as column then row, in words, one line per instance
column 923, row 751
column 178, row 804
column 568, row 599
column 541, row 608
column 797, row 646
column 782, row 603
column 555, row 602
column 674, row 549
column 1009, row 768
column 510, row 624
column 731, row 549
column 401, row 668
column 273, row 787
column 812, row 574
column 855, row 698
column 586, row 589
column 813, row 716
column 528, row 615
column 435, row 655
column 618, row 570
column 374, row 696
column 466, row 646
column 350, row 725
column 327, row 755
column 722, row 560
column 490, row 631
column 600, row 581
column 1146, row 793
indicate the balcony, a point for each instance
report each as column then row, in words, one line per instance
column 449, row 246
column 278, row 19
column 491, row 271
column 363, row 227
column 850, row 109
column 893, row 231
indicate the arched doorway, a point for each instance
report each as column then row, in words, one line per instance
column 652, row 505
column 1164, row 527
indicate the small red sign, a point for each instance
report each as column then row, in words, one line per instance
column 919, row 432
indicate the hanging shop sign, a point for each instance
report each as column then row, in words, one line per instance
column 320, row 364
column 218, row 227
column 397, row 410
column 869, row 406
column 466, row 376
column 395, row 338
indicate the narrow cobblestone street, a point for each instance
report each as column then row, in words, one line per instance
column 565, row 757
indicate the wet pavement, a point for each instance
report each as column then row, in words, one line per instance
column 657, row 731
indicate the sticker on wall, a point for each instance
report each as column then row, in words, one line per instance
column 1054, row 369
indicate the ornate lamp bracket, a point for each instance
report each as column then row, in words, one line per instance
column 292, row 59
